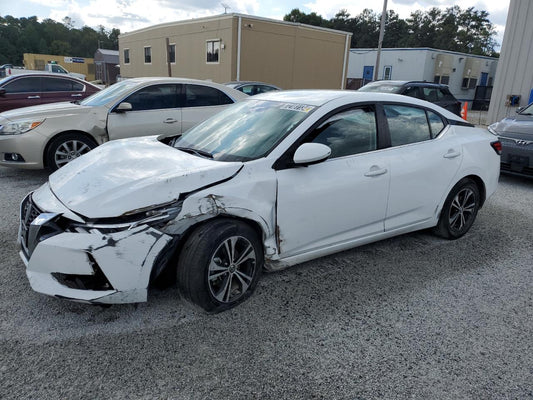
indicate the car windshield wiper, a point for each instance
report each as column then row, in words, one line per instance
column 195, row 151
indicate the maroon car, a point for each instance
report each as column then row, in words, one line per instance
column 32, row 89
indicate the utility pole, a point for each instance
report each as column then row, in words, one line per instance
column 381, row 34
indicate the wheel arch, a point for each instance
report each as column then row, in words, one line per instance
column 51, row 139
column 167, row 271
column 481, row 187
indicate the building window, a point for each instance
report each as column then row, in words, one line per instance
column 172, row 53
column 213, row 50
column 387, row 72
column 147, row 55
column 445, row 79
column 469, row 83
column 126, row 56
column 436, row 79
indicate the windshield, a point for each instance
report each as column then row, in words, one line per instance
column 381, row 88
column 245, row 131
column 527, row 110
column 112, row 92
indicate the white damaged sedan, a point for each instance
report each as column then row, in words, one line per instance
column 273, row 181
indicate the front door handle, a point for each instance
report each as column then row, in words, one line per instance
column 34, row 97
column 376, row 171
column 75, row 95
column 452, row 154
column 170, row 121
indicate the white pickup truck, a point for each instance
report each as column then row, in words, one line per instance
column 50, row 67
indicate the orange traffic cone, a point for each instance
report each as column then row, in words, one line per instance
column 464, row 110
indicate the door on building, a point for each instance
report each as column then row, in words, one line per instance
column 368, row 73
column 484, row 78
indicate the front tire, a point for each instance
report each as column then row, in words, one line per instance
column 219, row 265
column 65, row 148
column 459, row 210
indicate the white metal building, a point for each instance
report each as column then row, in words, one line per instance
column 461, row 72
column 514, row 83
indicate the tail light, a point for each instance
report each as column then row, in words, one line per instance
column 497, row 146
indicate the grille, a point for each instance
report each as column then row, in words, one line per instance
column 28, row 213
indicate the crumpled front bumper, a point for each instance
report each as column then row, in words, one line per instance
column 93, row 267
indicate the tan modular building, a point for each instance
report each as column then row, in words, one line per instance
column 232, row 47
column 80, row 65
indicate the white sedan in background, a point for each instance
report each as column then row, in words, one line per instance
column 52, row 135
column 273, row 181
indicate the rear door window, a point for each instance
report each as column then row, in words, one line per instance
column 203, row 96
column 61, row 85
column 407, row 124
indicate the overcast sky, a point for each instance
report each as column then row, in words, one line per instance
column 128, row 15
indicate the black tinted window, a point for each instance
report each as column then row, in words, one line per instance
column 154, row 97
column 61, row 85
column 24, row 85
column 412, row 91
column 407, row 124
column 349, row 132
column 201, row 96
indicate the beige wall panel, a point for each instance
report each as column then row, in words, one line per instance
column 190, row 40
column 292, row 57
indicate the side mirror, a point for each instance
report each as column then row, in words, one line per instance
column 123, row 107
column 2, row 92
column 311, row 153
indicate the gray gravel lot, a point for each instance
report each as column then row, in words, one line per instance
column 414, row 317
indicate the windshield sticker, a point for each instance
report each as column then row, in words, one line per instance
column 297, row 107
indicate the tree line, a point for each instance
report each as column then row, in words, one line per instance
column 467, row 31
column 28, row 35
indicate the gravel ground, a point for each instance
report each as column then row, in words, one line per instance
column 414, row 317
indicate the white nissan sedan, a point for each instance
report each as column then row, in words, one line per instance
column 273, row 181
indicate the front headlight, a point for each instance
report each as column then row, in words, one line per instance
column 156, row 217
column 492, row 129
column 18, row 127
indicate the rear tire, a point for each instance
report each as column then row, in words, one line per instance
column 65, row 148
column 459, row 210
column 219, row 265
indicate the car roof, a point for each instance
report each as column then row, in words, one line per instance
column 321, row 97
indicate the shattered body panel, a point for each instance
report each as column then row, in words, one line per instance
column 126, row 259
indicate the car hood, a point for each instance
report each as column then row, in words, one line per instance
column 123, row 176
column 45, row 110
column 517, row 126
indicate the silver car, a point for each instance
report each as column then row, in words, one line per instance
column 52, row 135
column 516, row 136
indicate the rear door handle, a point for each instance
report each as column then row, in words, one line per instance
column 34, row 97
column 75, row 95
column 170, row 121
column 376, row 171
column 452, row 154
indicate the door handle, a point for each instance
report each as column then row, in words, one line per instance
column 376, row 171
column 452, row 154
column 34, row 97
column 170, row 121
column 75, row 95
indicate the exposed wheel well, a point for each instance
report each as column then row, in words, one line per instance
column 45, row 152
column 168, row 274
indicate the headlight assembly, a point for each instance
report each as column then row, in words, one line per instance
column 155, row 216
column 18, row 127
